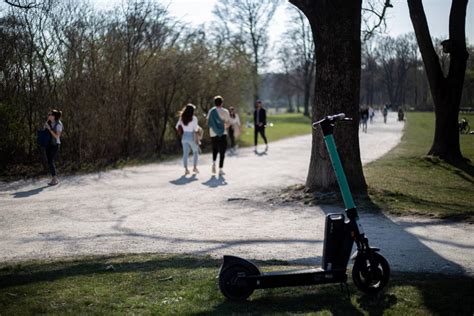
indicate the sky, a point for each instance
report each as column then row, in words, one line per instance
column 197, row 12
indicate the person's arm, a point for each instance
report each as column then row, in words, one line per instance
column 237, row 120
column 195, row 124
column 226, row 119
column 53, row 133
column 264, row 117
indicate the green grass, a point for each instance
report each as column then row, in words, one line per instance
column 284, row 125
column 405, row 181
column 182, row 285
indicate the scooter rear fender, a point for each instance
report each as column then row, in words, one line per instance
column 233, row 260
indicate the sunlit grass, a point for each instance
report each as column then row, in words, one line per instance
column 278, row 127
column 406, row 181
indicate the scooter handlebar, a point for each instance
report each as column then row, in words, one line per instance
column 332, row 119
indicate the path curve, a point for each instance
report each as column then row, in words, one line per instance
column 152, row 208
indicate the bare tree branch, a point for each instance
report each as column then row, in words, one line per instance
column 379, row 15
column 23, row 4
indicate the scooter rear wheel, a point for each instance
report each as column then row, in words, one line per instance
column 233, row 287
column 371, row 276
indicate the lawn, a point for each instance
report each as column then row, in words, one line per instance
column 406, row 181
column 183, row 285
column 278, row 127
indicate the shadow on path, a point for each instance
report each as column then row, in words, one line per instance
column 260, row 153
column 184, row 180
column 24, row 194
column 215, row 182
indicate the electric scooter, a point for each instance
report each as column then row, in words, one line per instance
column 238, row 278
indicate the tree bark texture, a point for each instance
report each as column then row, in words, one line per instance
column 336, row 31
column 445, row 90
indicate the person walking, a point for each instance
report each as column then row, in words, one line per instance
column 364, row 117
column 55, row 128
column 371, row 114
column 188, row 126
column 234, row 128
column 385, row 113
column 259, row 121
column 218, row 120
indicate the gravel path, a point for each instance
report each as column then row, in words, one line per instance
column 152, row 208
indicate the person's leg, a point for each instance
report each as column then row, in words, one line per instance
column 262, row 132
column 222, row 149
column 195, row 149
column 255, row 136
column 51, row 152
column 215, row 150
column 232, row 138
column 185, row 144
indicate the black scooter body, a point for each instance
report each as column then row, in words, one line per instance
column 336, row 252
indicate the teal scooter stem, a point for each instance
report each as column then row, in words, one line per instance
column 327, row 125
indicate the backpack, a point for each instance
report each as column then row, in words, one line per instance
column 43, row 137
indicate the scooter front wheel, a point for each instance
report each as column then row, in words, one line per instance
column 371, row 274
column 232, row 283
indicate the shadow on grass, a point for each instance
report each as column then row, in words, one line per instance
column 36, row 271
column 405, row 294
column 453, row 211
column 292, row 301
column 466, row 167
column 460, row 168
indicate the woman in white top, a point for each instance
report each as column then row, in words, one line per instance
column 189, row 123
column 234, row 128
column 55, row 127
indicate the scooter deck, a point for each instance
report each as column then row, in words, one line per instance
column 296, row 278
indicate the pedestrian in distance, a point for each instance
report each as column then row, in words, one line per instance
column 401, row 114
column 259, row 121
column 371, row 114
column 234, row 128
column 55, row 128
column 218, row 120
column 364, row 117
column 385, row 113
column 188, row 128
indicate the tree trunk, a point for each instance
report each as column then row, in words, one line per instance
column 336, row 31
column 446, row 91
column 306, row 98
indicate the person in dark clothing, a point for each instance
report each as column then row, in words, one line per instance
column 55, row 127
column 364, row 117
column 259, row 121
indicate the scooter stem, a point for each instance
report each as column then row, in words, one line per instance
column 340, row 175
column 327, row 126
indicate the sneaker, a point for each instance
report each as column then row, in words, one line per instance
column 221, row 172
column 186, row 172
column 213, row 168
column 266, row 147
column 195, row 170
column 54, row 181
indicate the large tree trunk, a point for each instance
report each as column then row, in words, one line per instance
column 446, row 91
column 336, row 32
